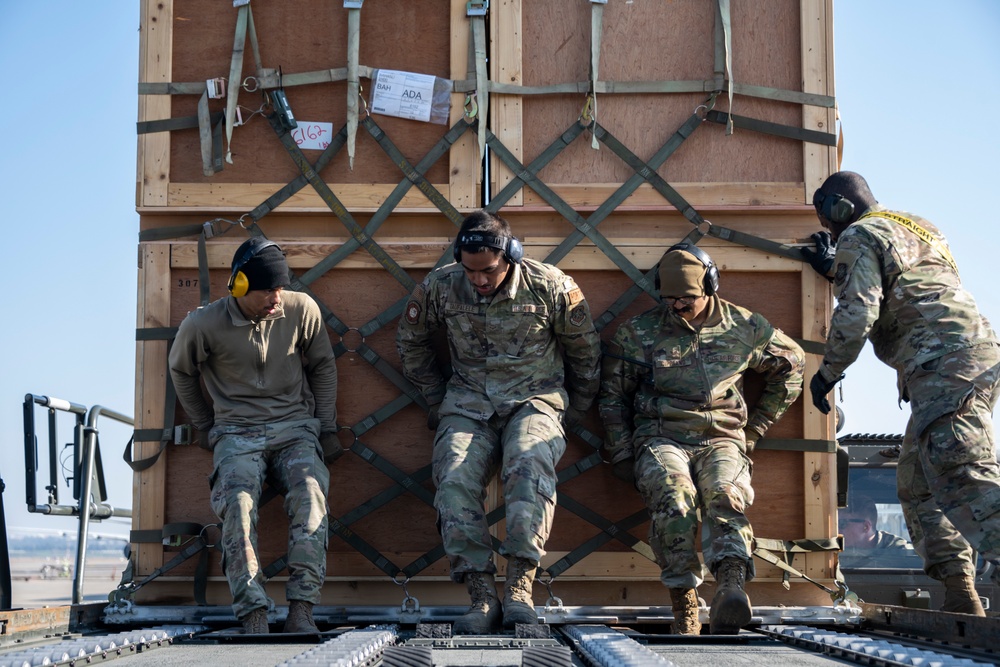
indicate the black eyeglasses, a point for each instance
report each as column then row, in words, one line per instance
column 683, row 300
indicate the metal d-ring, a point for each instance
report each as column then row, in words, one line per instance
column 256, row 84
column 359, row 333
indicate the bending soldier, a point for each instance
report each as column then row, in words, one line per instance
column 256, row 351
column 897, row 285
column 678, row 426
column 525, row 356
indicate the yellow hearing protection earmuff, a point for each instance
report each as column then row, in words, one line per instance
column 239, row 284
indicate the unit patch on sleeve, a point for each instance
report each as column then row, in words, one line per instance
column 413, row 312
column 841, row 274
column 578, row 316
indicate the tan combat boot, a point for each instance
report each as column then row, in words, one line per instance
column 730, row 606
column 518, row 606
column 960, row 596
column 300, row 618
column 685, row 606
column 483, row 617
column 255, row 623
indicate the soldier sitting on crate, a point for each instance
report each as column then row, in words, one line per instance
column 256, row 351
column 897, row 284
column 526, row 358
column 678, row 427
column 864, row 544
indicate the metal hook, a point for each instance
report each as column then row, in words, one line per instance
column 364, row 102
column 586, row 114
column 471, row 106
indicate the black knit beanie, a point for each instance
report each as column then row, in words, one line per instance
column 267, row 269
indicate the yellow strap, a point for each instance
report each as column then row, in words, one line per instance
column 922, row 233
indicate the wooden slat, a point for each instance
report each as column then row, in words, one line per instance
column 153, row 310
column 246, row 196
column 817, row 77
column 819, row 470
column 153, row 168
column 507, row 110
column 212, row 197
column 423, row 255
column 462, row 177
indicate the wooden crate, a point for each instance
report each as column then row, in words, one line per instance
column 748, row 182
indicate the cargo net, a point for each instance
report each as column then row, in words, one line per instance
column 416, row 484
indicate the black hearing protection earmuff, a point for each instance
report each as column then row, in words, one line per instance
column 711, row 284
column 239, row 284
column 836, row 208
column 508, row 245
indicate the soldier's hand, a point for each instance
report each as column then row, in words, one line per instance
column 752, row 437
column 624, row 470
column 332, row 449
column 819, row 388
column 821, row 259
column 433, row 419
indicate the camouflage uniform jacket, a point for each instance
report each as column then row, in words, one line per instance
column 505, row 350
column 899, row 291
column 256, row 372
column 662, row 378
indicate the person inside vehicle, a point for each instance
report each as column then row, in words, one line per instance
column 864, row 544
column 679, row 428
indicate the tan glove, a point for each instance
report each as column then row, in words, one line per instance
column 752, row 437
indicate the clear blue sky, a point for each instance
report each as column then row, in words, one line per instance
column 917, row 86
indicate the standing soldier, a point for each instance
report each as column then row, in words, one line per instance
column 678, row 427
column 525, row 358
column 897, row 284
column 269, row 368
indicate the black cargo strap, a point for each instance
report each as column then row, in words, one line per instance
column 338, row 209
column 797, row 445
column 163, row 435
column 786, row 131
column 171, row 532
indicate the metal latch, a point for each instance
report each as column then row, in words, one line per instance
column 477, row 7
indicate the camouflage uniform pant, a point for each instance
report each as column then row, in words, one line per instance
column 467, row 453
column 288, row 456
column 948, row 478
column 676, row 481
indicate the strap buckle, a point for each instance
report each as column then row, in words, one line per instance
column 477, row 7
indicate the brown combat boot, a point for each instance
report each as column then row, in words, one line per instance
column 518, row 606
column 300, row 618
column 730, row 606
column 483, row 617
column 960, row 596
column 685, row 606
column 255, row 623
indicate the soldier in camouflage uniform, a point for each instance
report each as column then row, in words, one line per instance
column 525, row 357
column 268, row 366
column 897, row 285
column 678, row 426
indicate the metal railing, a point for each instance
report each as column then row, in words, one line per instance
column 88, row 475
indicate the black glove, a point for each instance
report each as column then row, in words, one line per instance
column 820, row 388
column 330, row 443
column 433, row 419
column 574, row 417
column 821, row 258
column 624, row 470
